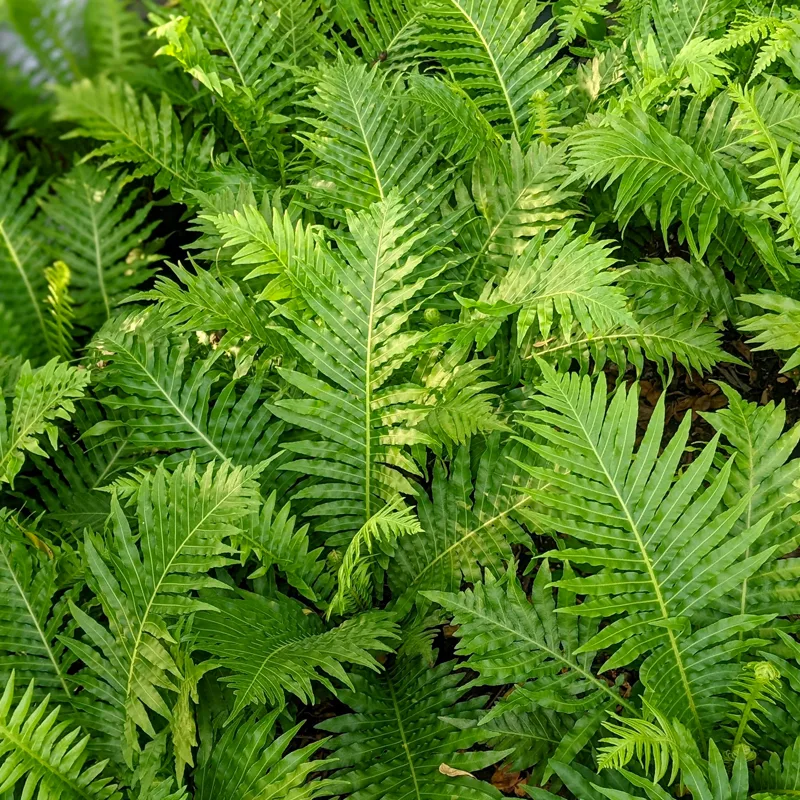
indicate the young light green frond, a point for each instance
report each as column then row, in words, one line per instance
column 780, row 774
column 779, row 330
column 653, row 536
column 22, row 258
column 135, row 132
column 498, row 52
column 45, row 757
column 234, row 49
column 41, row 397
column 185, row 521
column 250, row 760
column 101, row 237
column 468, row 524
column 362, row 418
column 365, row 144
column 172, row 403
column 394, row 744
column 273, row 647
column 368, row 554
column 60, row 309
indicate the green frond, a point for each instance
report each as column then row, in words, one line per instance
column 102, row 237
column 386, row 31
column 44, row 753
column 551, row 285
column 362, row 418
column 61, row 311
column 469, row 523
column 250, row 760
column 361, row 571
column 518, row 194
column 170, row 402
column 459, row 119
column 184, row 522
column 651, row 164
column 498, row 52
column 275, row 540
column 697, row 290
column 758, row 685
column 134, row 131
column 31, row 616
column 234, row 49
column 397, row 738
column 651, row 534
column 115, row 35
column 202, row 302
column 22, row 259
column 765, row 473
column 780, row 774
column 365, row 144
column 41, row 397
column 273, row 647
column 779, row 330
column 508, row 638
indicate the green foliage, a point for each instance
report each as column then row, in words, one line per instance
column 435, row 360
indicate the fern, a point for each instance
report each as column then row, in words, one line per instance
column 35, row 746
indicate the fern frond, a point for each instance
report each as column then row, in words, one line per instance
column 59, row 299
column 101, row 237
column 165, row 398
column 250, row 760
column 518, row 194
column 22, row 260
column 45, row 753
column 41, row 397
column 273, row 647
column 378, row 536
column 185, row 520
column 397, row 737
column 651, row 163
column 30, row 615
column 653, row 537
column 364, row 143
column 498, row 52
column 135, row 132
column 554, row 283
column 361, row 418
column 470, row 522
column 779, row 330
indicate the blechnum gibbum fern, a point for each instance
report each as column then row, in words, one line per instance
column 386, row 399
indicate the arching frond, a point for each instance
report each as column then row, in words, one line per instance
column 41, row 397
column 135, row 132
column 273, row 647
column 653, row 537
column 251, row 760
